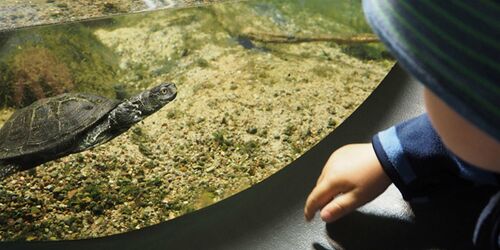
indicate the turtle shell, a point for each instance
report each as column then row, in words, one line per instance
column 50, row 122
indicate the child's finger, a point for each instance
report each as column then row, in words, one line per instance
column 338, row 207
column 321, row 195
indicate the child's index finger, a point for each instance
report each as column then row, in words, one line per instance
column 323, row 193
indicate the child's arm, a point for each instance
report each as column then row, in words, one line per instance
column 352, row 177
column 410, row 155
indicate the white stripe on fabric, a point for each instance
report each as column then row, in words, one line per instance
column 395, row 153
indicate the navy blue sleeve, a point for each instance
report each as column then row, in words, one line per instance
column 418, row 163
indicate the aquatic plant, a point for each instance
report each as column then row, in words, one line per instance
column 5, row 78
column 220, row 139
column 37, row 73
column 51, row 60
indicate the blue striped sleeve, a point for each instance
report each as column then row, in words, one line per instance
column 418, row 163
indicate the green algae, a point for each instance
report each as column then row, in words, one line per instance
column 59, row 59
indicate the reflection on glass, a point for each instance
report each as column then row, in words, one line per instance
column 16, row 14
column 258, row 83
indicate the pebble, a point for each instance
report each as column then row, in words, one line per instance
column 252, row 130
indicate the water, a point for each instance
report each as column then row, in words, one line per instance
column 245, row 108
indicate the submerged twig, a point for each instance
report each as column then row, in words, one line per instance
column 279, row 38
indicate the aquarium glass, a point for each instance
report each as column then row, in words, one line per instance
column 259, row 83
column 22, row 13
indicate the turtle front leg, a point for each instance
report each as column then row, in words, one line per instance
column 125, row 115
column 119, row 120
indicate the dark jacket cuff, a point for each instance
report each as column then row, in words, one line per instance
column 390, row 169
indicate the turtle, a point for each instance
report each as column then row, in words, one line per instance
column 69, row 123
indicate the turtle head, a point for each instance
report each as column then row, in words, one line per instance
column 155, row 98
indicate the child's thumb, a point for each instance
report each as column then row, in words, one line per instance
column 338, row 207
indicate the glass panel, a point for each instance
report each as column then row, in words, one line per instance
column 17, row 14
column 259, row 83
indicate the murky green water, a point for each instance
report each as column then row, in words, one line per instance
column 259, row 83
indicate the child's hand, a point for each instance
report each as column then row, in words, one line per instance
column 352, row 177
